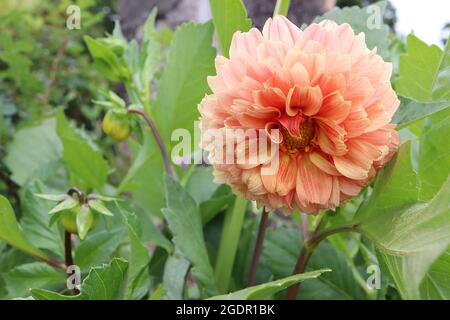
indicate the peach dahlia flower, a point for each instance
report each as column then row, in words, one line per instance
column 328, row 95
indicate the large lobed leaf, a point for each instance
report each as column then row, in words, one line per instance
column 281, row 249
column 184, row 221
column 31, row 150
column 423, row 81
column 408, row 213
column 80, row 157
column 183, row 83
column 102, row 283
column 424, row 71
column 36, row 274
column 11, row 233
column 268, row 289
column 229, row 16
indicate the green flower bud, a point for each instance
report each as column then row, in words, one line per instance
column 72, row 222
column 116, row 124
column 69, row 219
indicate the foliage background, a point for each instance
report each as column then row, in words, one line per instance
column 190, row 238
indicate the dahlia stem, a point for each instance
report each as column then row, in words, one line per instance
column 305, row 234
column 258, row 248
column 229, row 240
column 282, row 7
column 308, row 248
column 68, row 248
column 68, row 255
column 157, row 136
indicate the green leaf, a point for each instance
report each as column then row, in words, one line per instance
column 434, row 154
column 104, row 198
column 211, row 197
column 150, row 233
column 411, row 273
column 268, row 289
column 174, row 277
column 145, row 176
column 395, row 219
column 185, row 223
column 149, row 26
column 281, row 249
column 36, row 222
column 229, row 16
column 421, row 228
column 139, row 255
column 20, row 279
column 102, row 283
column 412, row 110
column 10, row 259
column 200, row 184
column 80, row 157
column 52, row 197
column 85, row 219
column 11, row 233
column 361, row 20
column 106, row 60
column 97, row 248
column 98, row 206
column 67, row 204
column 436, row 284
column 31, row 150
column 424, row 72
column 183, row 83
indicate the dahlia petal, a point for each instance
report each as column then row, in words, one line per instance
column 346, row 37
column 313, row 185
column 359, row 91
column 252, row 179
column 330, row 84
column 337, row 63
column 281, row 29
column 299, row 75
column 273, row 132
column 315, row 65
column 335, row 108
column 349, row 187
column 272, row 54
column 321, row 162
column 306, row 99
column 330, row 137
column 244, row 44
column 377, row 115
column 392, row 146
column 253, row 115
column 283, row 181
column 334, row 200
column 356, row 122
column 270, row 96
column 357, row 163
column 292, row 124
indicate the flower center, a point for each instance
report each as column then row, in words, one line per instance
column 302, row 141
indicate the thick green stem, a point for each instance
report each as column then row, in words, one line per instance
column 282, row 7
column 308, row 248
column 229, row 243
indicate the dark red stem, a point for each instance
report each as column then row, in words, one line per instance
column 258, row 248
column 157, row 136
